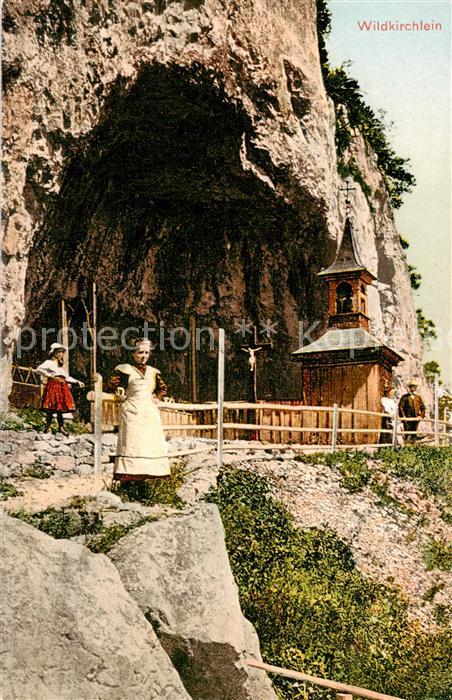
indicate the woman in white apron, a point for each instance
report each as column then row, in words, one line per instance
column 141, row 450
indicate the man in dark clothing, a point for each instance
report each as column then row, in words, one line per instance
column 411, row 410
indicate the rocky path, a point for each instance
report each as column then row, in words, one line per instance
column 39, row 494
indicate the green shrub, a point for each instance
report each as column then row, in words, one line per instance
column 313, row 610
column 7, row 489
column 442, row 614
column 438, row 555
column 106, row 539
column 34, row 419
column 352, row 466
column 153, row 491
column 62, row 523
column 37, row 470
column 428, row 467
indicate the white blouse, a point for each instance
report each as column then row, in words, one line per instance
column 51, row 368
column 389, row 406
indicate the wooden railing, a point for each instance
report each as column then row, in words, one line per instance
column 347, row 692
column 281, row 424
column 26, row 387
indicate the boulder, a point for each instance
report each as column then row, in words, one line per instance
column 107, row 498
column 65, row 463
column 260, row 685
column 70, row 628
column 200, row 479
column 27, row 457
column 177, row 570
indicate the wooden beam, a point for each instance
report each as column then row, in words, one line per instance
column 324, row 683
column 64, row 333
column 94, row 334
column 436, row 419
column 193, row 361
column 335, row 424
column 220, row 398
column 98, row 424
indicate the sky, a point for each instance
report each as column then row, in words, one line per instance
column 408, row 74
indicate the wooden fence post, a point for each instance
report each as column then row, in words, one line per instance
column 335, row 425
column 220, row 398
column 394, row 431
column 436, row 424
column 64, row 331
column 98, row 424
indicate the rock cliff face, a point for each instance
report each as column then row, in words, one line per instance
column 181, row 155
column 70, row 628
column 177, row 570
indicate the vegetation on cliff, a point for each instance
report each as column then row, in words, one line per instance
column 353, row 113
column 314, row 611
column 426, row 467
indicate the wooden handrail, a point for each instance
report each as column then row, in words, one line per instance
column 279, row 428
column 188, row 426
column 275, row 406
column 237, row 405
column 333, row 685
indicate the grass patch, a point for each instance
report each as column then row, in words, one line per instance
column 442, row 614
column 37, row 470
column 34, row 419
column 109, row 536
column 428, row 467
column 438, row 555
column 151, row 492
column 62, row 523
column 314, row 611
column 352, row 466
column 7, row 489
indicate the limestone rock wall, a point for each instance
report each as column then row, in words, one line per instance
column 69, row 635
column 97, row 188
column 25, row 451
column 71, row 629
column 178, row 572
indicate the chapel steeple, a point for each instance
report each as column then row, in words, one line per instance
column 347, row 280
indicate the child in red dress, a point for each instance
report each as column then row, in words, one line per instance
column 57, row 397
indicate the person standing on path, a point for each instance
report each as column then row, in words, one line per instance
column 389, row 406
column 57, row 397
column 141, row 448
column 411, row 410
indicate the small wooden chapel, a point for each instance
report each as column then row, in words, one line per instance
column 347, row 365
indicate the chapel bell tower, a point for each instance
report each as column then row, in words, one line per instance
column 347, row 365
column 347, row 280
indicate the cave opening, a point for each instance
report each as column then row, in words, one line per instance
column 160, row 206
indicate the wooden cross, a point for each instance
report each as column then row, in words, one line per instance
column 252, row 349
column 347, row 189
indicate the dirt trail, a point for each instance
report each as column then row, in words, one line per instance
column 39, row 494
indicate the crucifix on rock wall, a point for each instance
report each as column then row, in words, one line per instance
column 347, row 189
column 252, row 349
